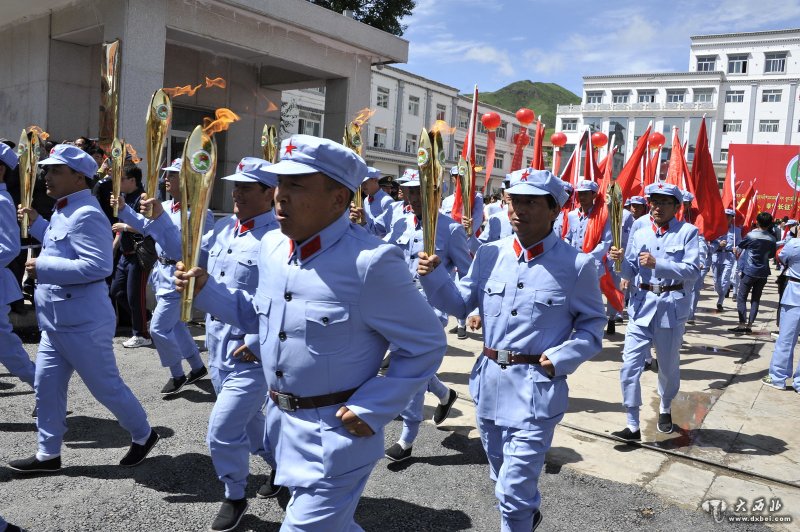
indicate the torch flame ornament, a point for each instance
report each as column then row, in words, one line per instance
column 614, row 198
column 352, row 139
column 159, row 115
column 199, row 164
column 29, row 150
column 109, row 97
column 269, row 143
column 118, row 153
column 467, row 193
column 430, row 158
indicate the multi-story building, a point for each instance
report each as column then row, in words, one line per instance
column 745, row 84
column 404, row 103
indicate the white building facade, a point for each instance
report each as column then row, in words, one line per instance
column 404, row 103
column 744, row 83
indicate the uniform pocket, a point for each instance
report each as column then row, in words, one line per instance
column 493, row 292
column 262, row 306
column 550, row 396
column 69, row 306
column 247, row 268
column 550, row 304
column 342, row 452
column 327, row 327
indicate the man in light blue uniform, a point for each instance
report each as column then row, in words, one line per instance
column 689, row 216
column 661, row 263
column 12, row 355
column 497, row 225
column 541, row 307
column 724, row 259
column 451, row 246
column 782, row 361
column 75, row 313
column 382, row 223
column 171, row 336
column 230, row 251
column 376, row 201
column 335, row 298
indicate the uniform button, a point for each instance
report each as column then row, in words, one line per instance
column 279, row 373
column 222, row 274
column 513, row 312
column 249, row 262
column 287, row 296
column 230, row 251
column 489, row 290
column 69, row 296
column 520, row 285
column 325, row 319
column 657, row 248
column 282, row 336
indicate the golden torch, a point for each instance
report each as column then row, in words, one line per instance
column 117, row 163
column 159, row 115
column 430, row 158
column 467, row 189
column 352, row 139
column 614, row 199
column 29, row 149
column 199, row 163
column 269, row 143
column 109, row 97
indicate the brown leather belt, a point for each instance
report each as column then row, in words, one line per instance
column 658, row 289
column 289, row 403
column 509, row 358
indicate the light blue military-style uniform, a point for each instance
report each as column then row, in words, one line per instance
column 780, row 366
column 477, row 214
column 578, row 222
column 325, row 317
column 656, row 316
column 497, row 226
column 541, row 300
column 75, row 312
column 12, row 355
column 171, row 336
column 376, row 204
column 451, row 247
column 724, row 259
column 382, row 223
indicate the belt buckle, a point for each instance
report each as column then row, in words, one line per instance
column 503, row 357
column 656, row 289
column 286, row 401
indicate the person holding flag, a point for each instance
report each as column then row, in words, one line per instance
column 724, row 259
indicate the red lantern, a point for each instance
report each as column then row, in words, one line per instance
column 656, row 140
column 599, row 139
column 559, row 140
column 491, row 121
column 525, row 116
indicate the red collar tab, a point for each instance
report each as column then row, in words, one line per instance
column 60, row 204
column 531, row 253
column 307, row 248
column 176, row 206
column 238, row 229
column 660, row 231
column 407, row 208
column 370, row 199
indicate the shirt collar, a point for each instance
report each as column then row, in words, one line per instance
column 176, row 206
column 320, row 242
column 260, row 220
column 543, row 246
column 75, row 196
column 664, row 229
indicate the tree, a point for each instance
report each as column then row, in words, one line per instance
column 382, row 14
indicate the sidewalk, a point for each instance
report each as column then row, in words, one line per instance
column 735, row 438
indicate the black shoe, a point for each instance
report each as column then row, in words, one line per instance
column 34, row 465
column 738, row 329
column 537, row 520
column 664, row 423
column 454, row 330
column 654, row 365
column 611, row 327
column 395, row 453
column 461, row 333
column 719, row 307
column 173, row 385
column 628, row 435
column 195, row 376
column 648, row 365
column 12, row 528
column 229, row 515
column 137, row 453
column 35, row 413
column 443, row 410
column 690, row 322
column 618, row 319
column 748, row 330
column 269, row 489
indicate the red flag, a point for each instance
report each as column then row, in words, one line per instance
column 594, row 232
column 675, row 175
column 570, row 170
column 538, row 147
column 628, row 178
column 744, row 205
column 468, row 153
column 590, row 169
column 607, row 160
column 654, row 167
column 775, row 205
column 752, row 212
column 710, row 220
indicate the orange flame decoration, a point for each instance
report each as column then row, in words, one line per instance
column 363, row 116
column 43, row 135
column 187, row 90
column 224, row 118
column 271, row 106
column 135, row 159
column 216, row 82
column 442, row 127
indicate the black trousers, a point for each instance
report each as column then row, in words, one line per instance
column 129, row 292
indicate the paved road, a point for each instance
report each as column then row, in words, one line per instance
column 445, row 487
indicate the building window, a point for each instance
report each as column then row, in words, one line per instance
column 459, row 147
column 413, row 105
column 498, row 160
column 774, row 62
column 309, row 123
column 441, row 111
column 734, row 96
column 737, row 64
column 703, row 95
column 707, row 63
column 594, row 97
column 411, row 143
column 502, row 131
column 481, row 129
column 383, row 97
column 771, row 95
column 768, row 126
column 463, row 118
column 569, row 124
column 723, row 155
column 379, row 137
column 731, row 126
column 480, row 157
column 620, row 97
column 646, row 96
column 676, row 96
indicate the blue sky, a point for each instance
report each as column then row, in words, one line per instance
column 495, row 42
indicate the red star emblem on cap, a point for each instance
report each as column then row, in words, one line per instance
column 241, row 166
column 660, row 185
column 524, row 176
column 289, row 148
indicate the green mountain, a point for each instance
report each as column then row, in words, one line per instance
column 541, row 97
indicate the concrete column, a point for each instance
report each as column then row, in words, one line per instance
column 790, row 113
column 751, row 117
column 451, row 143
column 345, row 97
column 428, row 97
column 398, row 115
